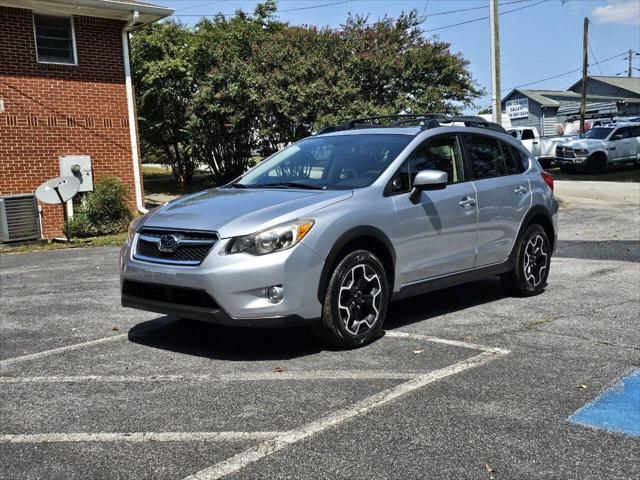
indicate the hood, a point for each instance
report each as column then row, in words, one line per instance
column 584, row 143
column 234, row 212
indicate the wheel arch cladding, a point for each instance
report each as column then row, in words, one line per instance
column 540, row 216
column 365, row 238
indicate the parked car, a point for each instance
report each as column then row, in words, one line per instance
column 327, row 231
column 542, row 148
column 600, row 147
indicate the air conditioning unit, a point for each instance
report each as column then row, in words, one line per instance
column 19, row 218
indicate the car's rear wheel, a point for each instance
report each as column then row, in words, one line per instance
column 529, row 276
column 355, row 302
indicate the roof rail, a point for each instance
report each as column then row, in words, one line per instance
column 424, row 120
column 468, row 120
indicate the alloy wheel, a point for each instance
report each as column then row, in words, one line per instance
column 535, row 260
column 359, row 299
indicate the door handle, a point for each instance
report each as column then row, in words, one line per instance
column 520, row 190
column 467, row 202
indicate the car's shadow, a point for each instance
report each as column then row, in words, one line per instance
column 253, row 344
column 424, row 307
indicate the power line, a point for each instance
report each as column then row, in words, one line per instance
column 310, row 7
column 435, row 14
column 594, row 57
column 484, row 18
column 561, row 74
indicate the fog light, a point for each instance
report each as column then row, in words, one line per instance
column 275, row 294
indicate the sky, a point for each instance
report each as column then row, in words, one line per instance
column 541, row 39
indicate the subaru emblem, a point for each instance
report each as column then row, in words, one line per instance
column 168, row 243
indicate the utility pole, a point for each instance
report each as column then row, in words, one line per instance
column 630, row 63
column 585, row 64
column 496, row 107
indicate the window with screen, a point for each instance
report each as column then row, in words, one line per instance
column 485, row 156
column 54, row 39
column 440, row 153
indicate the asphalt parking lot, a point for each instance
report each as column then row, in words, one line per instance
column 466, row 383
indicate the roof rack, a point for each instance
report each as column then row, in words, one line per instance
column 425, row 121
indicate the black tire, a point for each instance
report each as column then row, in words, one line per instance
column 343, row 307
column 596, row 164
column 529, row 276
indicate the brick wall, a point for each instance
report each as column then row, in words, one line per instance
column 54, row 110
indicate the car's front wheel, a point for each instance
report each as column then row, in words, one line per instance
column 529, row 277
column 355, row 302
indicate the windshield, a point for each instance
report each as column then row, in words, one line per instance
column 598, row 133
column 328, row 162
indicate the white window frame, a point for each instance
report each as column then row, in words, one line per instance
column 73, row 38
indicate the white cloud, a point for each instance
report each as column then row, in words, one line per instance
column 620, row 11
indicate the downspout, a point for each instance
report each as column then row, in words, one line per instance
column 133, row 134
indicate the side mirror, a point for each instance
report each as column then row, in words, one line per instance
column 428, row 180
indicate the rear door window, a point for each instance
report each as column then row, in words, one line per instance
column 485, row 156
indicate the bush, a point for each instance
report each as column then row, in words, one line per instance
column 104, row 211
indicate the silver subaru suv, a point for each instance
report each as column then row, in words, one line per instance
column 329, row 230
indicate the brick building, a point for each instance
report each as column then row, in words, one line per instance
column 65, row 89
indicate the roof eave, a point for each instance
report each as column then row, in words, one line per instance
column 113, row 9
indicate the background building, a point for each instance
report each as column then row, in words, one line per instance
column 65, row 90
column 543, row 109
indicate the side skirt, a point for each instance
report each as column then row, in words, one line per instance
column 452, row 280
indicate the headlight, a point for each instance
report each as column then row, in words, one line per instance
column 581, row 152
column 275, row 239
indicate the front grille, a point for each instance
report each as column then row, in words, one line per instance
column 566, row 152
column 191, row 249
column 190, row 297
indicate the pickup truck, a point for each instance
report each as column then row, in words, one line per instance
column 542, row 148
column 600, row 147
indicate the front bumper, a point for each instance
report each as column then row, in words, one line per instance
column 236, row 284
column 570, row 160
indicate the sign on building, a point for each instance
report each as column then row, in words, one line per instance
column 518, row 108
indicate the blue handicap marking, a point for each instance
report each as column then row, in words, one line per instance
column 616, row 409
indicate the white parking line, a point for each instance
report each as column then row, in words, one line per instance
column 138, row 437
column 55, row 351
column 445, row 341
column 231, row 377
column 242, row 459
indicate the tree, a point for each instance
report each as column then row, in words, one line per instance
column 160, row 59
column 231, row 86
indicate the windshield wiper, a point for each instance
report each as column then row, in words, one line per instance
column 289, row 184
column 236, row 185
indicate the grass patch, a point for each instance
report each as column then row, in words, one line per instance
column 620, row 174
column 160, row 180
column 104, row 241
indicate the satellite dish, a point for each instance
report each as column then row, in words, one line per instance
column 58, row 190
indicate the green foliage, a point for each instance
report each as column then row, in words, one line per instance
column 227, row 87
column 102, row 212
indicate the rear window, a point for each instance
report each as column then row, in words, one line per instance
column 516, row 160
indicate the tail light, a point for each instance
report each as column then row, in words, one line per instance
column 548, row 179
